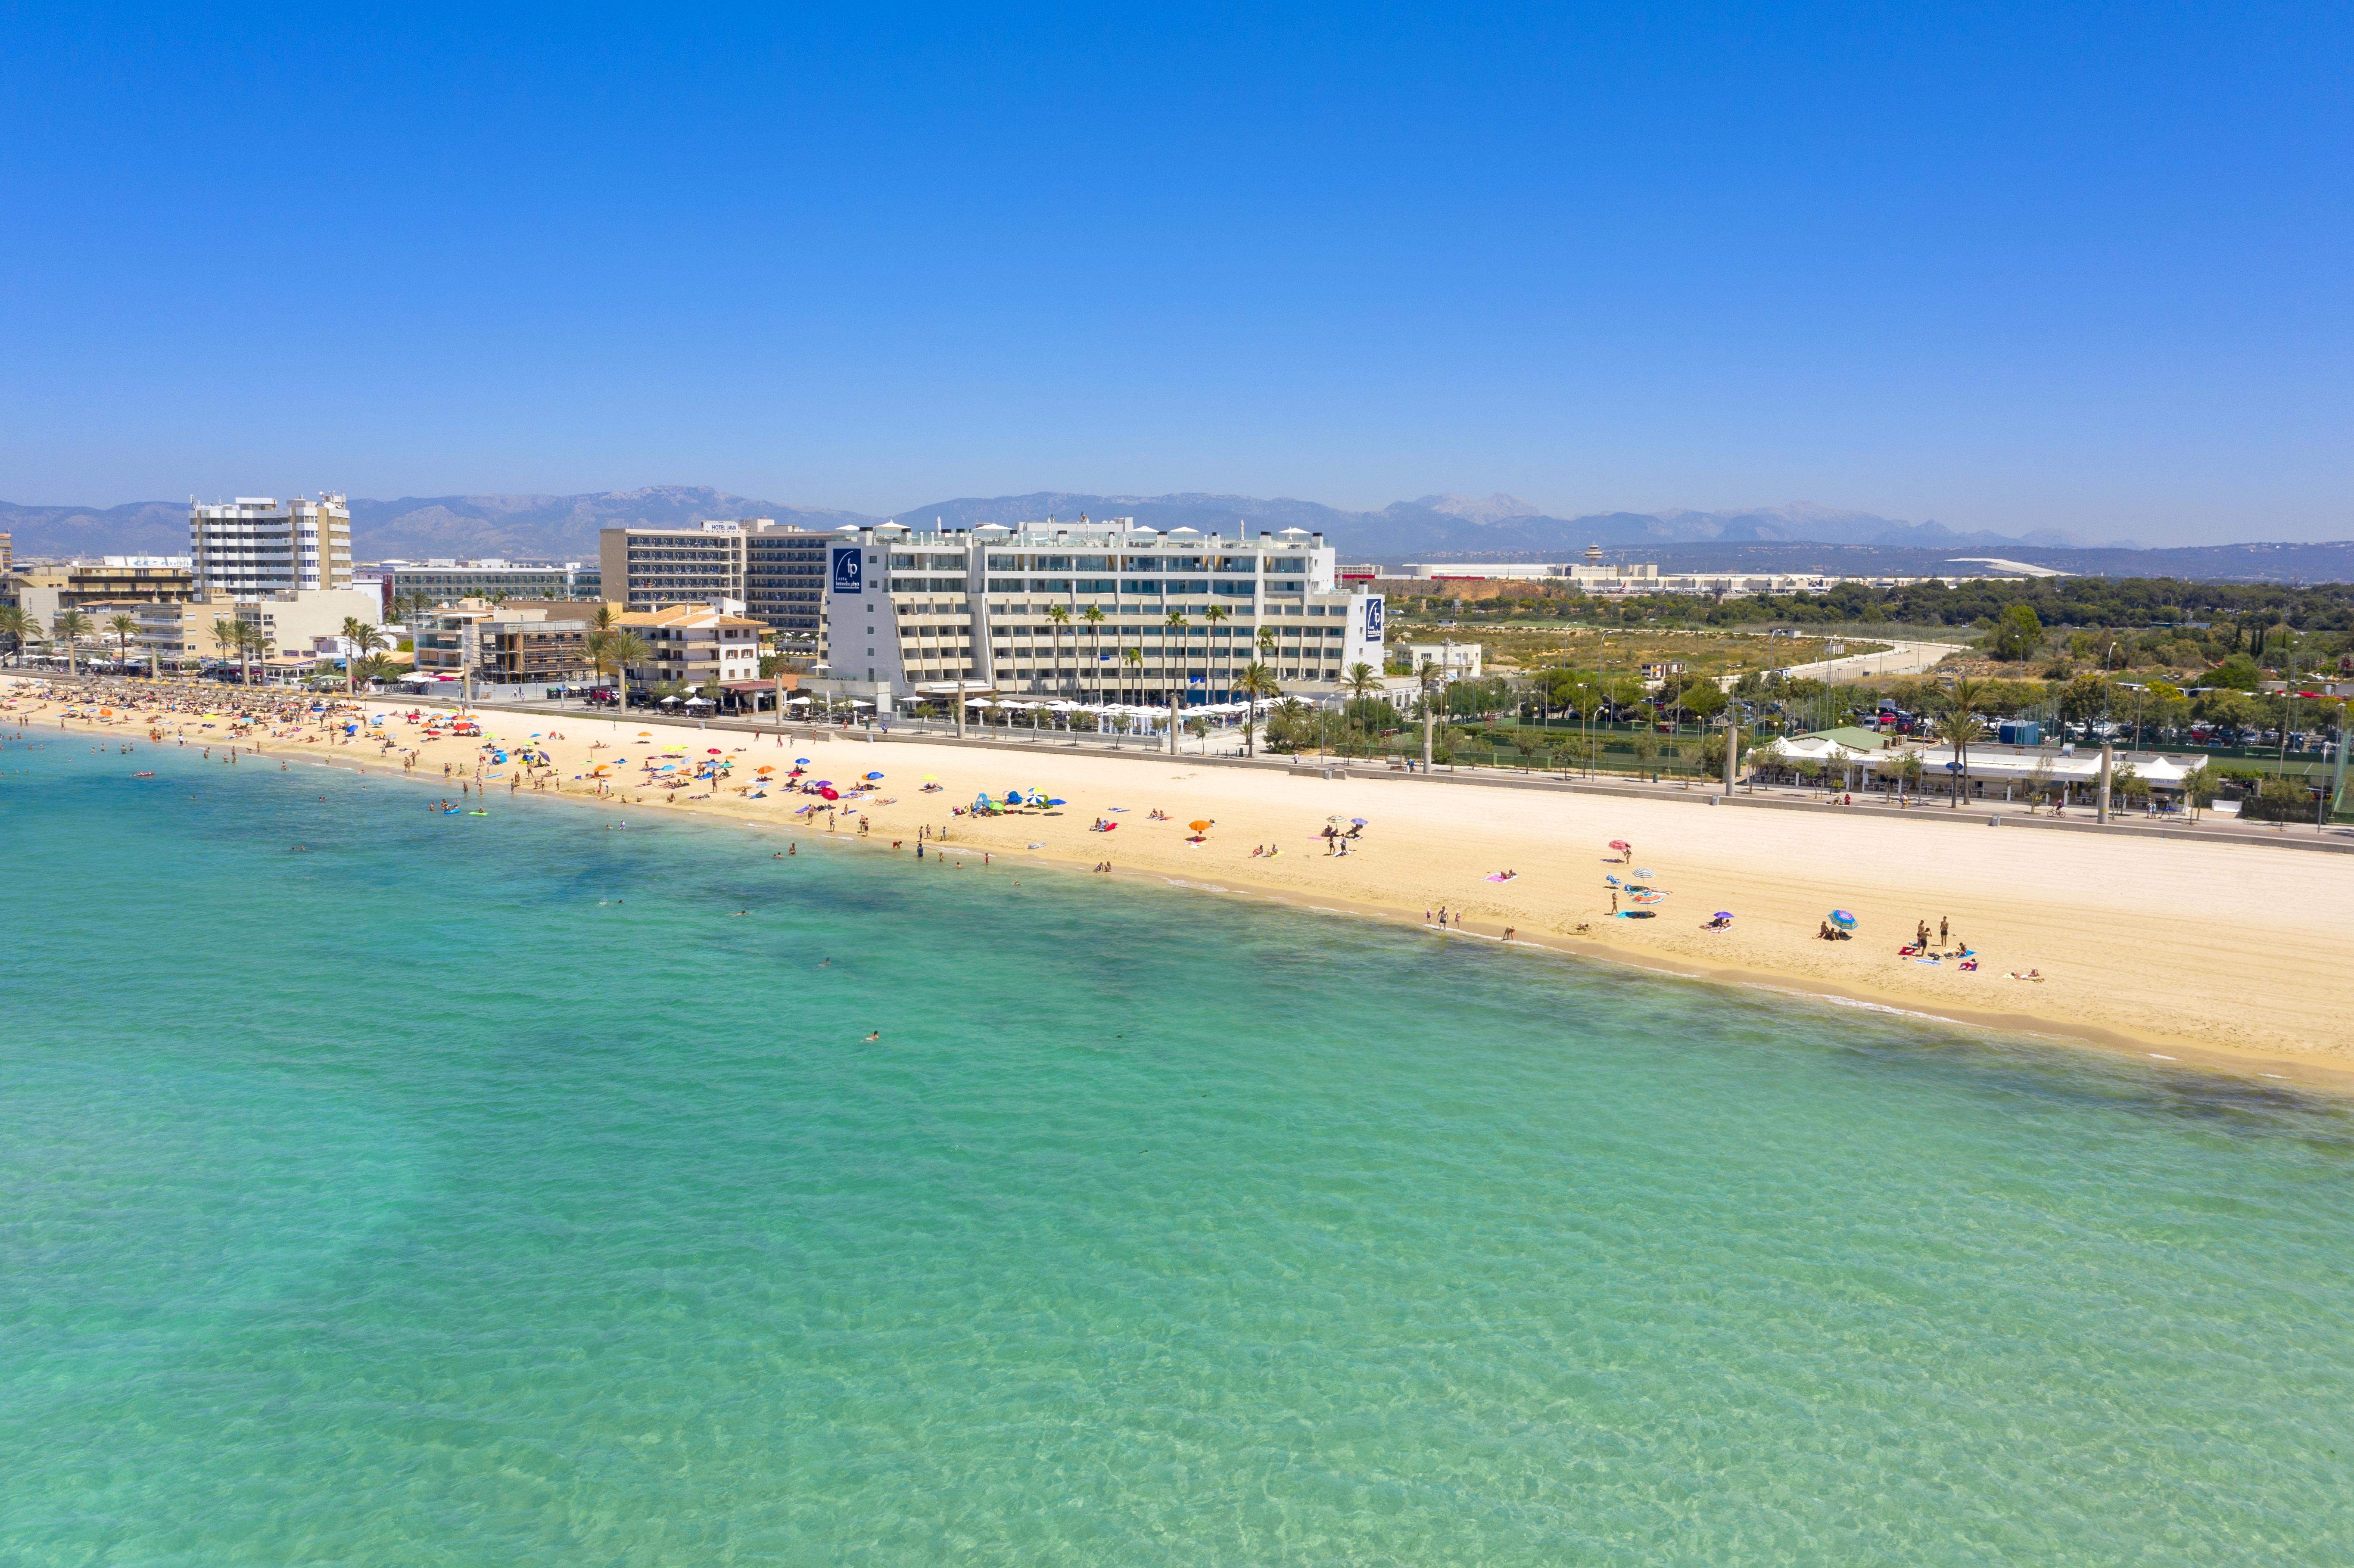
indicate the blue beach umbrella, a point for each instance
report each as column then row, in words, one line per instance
column 1843, row 919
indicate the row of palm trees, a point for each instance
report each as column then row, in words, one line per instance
column 22, row 627
column 1254, row 683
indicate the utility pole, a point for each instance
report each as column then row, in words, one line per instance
column 1732, row 747
column 2109, row 763
column 2337, row 774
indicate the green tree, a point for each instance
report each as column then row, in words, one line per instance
column 66, row 626
column 2199, row 787
column 1959, row 724
column 2235, row 708
column 1058, row 617
column 19, row 626
column 1094, row 616
column 1255, row 684
column 1704, row 699
column 1361, row 681
column 123, row 627
column 366, row 638
column 624, row 648
column 371, row 668
column 2238, row 671
column 2017, row 633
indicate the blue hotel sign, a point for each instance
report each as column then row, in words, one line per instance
column 1372, row 618
column 849, row 569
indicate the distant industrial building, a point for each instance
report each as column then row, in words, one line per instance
column 1594, row 574
column 259, row 544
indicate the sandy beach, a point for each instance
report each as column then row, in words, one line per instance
column 2214, row 954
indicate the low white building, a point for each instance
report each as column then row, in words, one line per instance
column 1460, row 660
column 696, row 643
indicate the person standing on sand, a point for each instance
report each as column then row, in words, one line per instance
column 1943, row 925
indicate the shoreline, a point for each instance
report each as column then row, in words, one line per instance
column 2329, row 1067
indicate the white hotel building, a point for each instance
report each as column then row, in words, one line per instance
column 1102, row 612
column 258, row 545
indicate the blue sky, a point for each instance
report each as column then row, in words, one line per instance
column 2006, row 267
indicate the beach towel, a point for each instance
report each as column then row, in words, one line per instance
column 1501, row 876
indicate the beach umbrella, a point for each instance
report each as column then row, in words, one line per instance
column 875, row 776
column 825, row 793
column 1620, row 844
column 712, row 750
column 801, row 762
column 764, row 769
column 1641, row 871
column 1201, row 827
column 1358, row 823
column 1843, row 919
column 1724, row 915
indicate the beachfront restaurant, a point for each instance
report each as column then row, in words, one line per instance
column 1996, row 773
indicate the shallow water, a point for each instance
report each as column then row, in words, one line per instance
column 482, row 1190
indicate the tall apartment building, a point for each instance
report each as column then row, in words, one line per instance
column 779, row 573
column 1101, row 612
column 257, row 545
column 8, row 551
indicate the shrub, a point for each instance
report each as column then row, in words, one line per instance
column 2277, row 801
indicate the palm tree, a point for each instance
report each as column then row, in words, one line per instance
column 1134, row 659
column 364, row 639
column 229, row 635
column 1174, row 623
column 603, row 620
column 1361, row 681
column 1433, row 677
column 66, row 625
column 1256, row 683
column 1060, row 616
column 1962, row 726
column 19, row 626
column 1094, row 616
column 123, row 625
column 598, row 647
column 372, row 667
column 255, row 640
column 1216, row 615
column 626, row 648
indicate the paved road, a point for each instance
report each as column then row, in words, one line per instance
column 1901, row 658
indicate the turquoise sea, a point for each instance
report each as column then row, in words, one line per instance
column 486, row 1190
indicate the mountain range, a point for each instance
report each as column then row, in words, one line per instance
column 563, row 527
column 1793, row 538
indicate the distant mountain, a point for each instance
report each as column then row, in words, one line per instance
column 551, row 527
column 1795, row 538
column 139, row 528
column 1494, row 528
